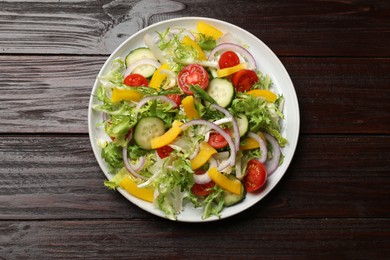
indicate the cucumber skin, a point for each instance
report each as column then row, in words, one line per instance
column 230, row 199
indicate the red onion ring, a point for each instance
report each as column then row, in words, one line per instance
column 236, row 132
column 263, row 146
column 141, row 62
column 182, row 31
column 232, row 158
column 149, row 98
column 140, row 164
column 192, row 156
column 128, row 166
column 236, row 48
column 205, row 178
column 171, row 76
column 272, row 164
column 153, row 48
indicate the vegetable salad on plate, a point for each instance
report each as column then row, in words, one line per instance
column 190, row 119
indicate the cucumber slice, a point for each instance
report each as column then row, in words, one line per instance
column 146, row 129
column 243, row 124
column 139, row 54
column 222, row 91
column 230, row 199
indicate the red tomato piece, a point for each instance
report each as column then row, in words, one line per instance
column 256, row 175
column 192, row 74
column 175, row 97
column 243, row 80
column 202, row 190
column 228, row 59
column 136, row 80
column 164, row 151
column 217, row 140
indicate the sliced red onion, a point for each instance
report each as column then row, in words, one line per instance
column 105, row 116
column 221, row 155
column 195, row 153
column 141, row 62
column 140, row 164
column 223, row 121
column 128, row 166
column 204, row 63
column 205, row 178
column 227, row 38
column 236, row 48
column 272, row 164
column 171, row 77
column 219, row 130
column 149, row 98
column 154, row 49
column 183, row 32
column 149, row 181
column 239, row 174
column 236, row 131
column 262, row 144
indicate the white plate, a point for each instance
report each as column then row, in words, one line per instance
column 267, row 62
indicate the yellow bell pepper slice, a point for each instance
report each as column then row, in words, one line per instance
column 231, row 185
column 205, row 152
column 228, row 71
column 168, row 136
column 189, row 107
column 130, row 186
column 209, row 30
column 125, row 94
column 251, row 143
column 187, row 41
column 158, row 77
column 266, row 94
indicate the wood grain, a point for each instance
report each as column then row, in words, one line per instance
column 302, row 28
column 52, row 93
column 57, row 177
column 119, row 239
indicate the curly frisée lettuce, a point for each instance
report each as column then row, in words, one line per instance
column 154, row 143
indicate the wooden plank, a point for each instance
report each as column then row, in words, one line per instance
column 57, row 177
column 303, row 28
column 230, row 239
column 50, row 94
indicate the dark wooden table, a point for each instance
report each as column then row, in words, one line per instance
column 333, row 201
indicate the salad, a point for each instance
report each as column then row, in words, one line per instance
column 190, row 119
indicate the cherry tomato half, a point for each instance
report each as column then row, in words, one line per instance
column 256, row 175
column 164, row 151
column 192, row 74
column 175, row 97
column 228, row 59
column 136, row 80
column 217, row 140
column 202, row 190
column 243, row 80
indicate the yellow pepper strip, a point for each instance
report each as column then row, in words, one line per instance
column 167, row 137
column 159, row 77
column 209, row 30
column 189, row 42
column 232, row 185
column 228, row 71
column 130, row 186
column 189, row 107
column 251, row 143
column 125, row 94
column 205, row 152
column 266, row 94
